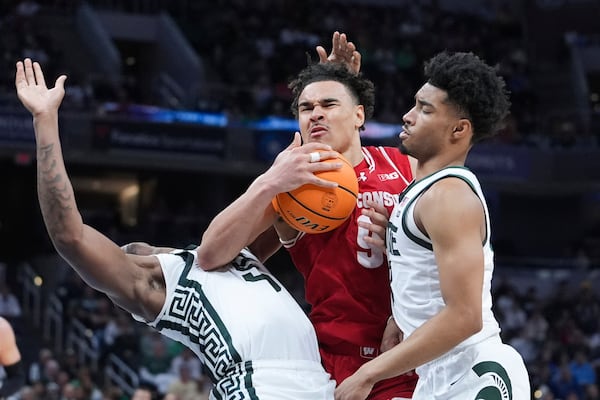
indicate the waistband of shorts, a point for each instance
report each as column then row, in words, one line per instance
column 352, row 350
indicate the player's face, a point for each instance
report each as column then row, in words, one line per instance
column 327, row 113
column 428, row 125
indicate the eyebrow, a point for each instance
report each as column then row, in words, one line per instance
column 327, row 100
column 424, row 103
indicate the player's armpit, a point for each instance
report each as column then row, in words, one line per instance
column 144, row 249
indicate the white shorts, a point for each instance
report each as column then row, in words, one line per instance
column 486, row 370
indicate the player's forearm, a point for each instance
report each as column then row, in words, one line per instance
column 55, row 193
column 238, row 225
column 431, row 340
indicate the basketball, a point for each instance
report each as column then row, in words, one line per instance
column 314, row 209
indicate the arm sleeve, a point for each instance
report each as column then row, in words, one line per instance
column 14, row 381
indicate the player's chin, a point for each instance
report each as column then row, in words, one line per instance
column 403, row 149
column 315, row 139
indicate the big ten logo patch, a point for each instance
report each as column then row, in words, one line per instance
column 388, row 177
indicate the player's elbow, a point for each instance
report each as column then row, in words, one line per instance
column 65, row 230
column 466, row 320
column 66, row 236
column 209, row 259
column 66, row 242
column 472, row 322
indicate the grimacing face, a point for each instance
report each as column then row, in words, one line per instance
column 327, row 113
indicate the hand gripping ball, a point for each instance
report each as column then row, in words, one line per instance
column 314, row 209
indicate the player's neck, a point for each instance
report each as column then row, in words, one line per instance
column 431, row 166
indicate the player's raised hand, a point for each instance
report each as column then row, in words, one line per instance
column 32, row 90
column 342, row 51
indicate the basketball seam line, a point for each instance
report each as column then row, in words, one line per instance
column 313, row 211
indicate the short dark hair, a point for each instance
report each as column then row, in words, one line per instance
column 359, row 87
column 473, row 87
column 149, row 387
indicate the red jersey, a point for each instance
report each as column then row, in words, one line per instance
column 346, row 282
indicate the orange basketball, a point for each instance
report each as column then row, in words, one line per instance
column 314, row 209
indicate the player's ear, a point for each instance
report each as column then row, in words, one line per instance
column 462, row 128
column 359, row 116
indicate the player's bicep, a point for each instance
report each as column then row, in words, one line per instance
column 104, row 266
column 453, row 216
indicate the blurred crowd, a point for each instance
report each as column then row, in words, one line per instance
column 249, row 59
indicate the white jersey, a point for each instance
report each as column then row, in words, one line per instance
column 252, row 336
column 416, row 293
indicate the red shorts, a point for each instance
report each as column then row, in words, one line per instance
column 342, row 366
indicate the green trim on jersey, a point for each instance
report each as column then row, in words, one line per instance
column 417, row 239
column 407, row 231
column 211, row 334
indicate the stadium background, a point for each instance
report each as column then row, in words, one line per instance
column 173, row 107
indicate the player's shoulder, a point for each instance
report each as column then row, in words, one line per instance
column 385, row 151
column 455, row 177
column 379, row 149
column 382, row 156
column 452, row 189
column 5, row 328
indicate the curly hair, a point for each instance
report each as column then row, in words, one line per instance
column 473, row 87
column 361, row 89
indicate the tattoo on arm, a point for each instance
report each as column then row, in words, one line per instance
column 54, row 191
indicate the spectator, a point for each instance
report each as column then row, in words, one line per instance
column 9, row 305
column 188, row 359
column 185, row 387
column 121, row 337
column 536, row 327
column 36, row 368
column 145, row 391
column 582, row 370
column 563, row 383
column 156, row 361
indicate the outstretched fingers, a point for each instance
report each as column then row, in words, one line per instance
column 20, row 79
column 29, row 73
column 322, row 53
column 60, row 82
column 342, row 51
column 39, row 75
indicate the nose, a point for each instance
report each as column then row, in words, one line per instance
column 317, row 113
column 408, row 117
